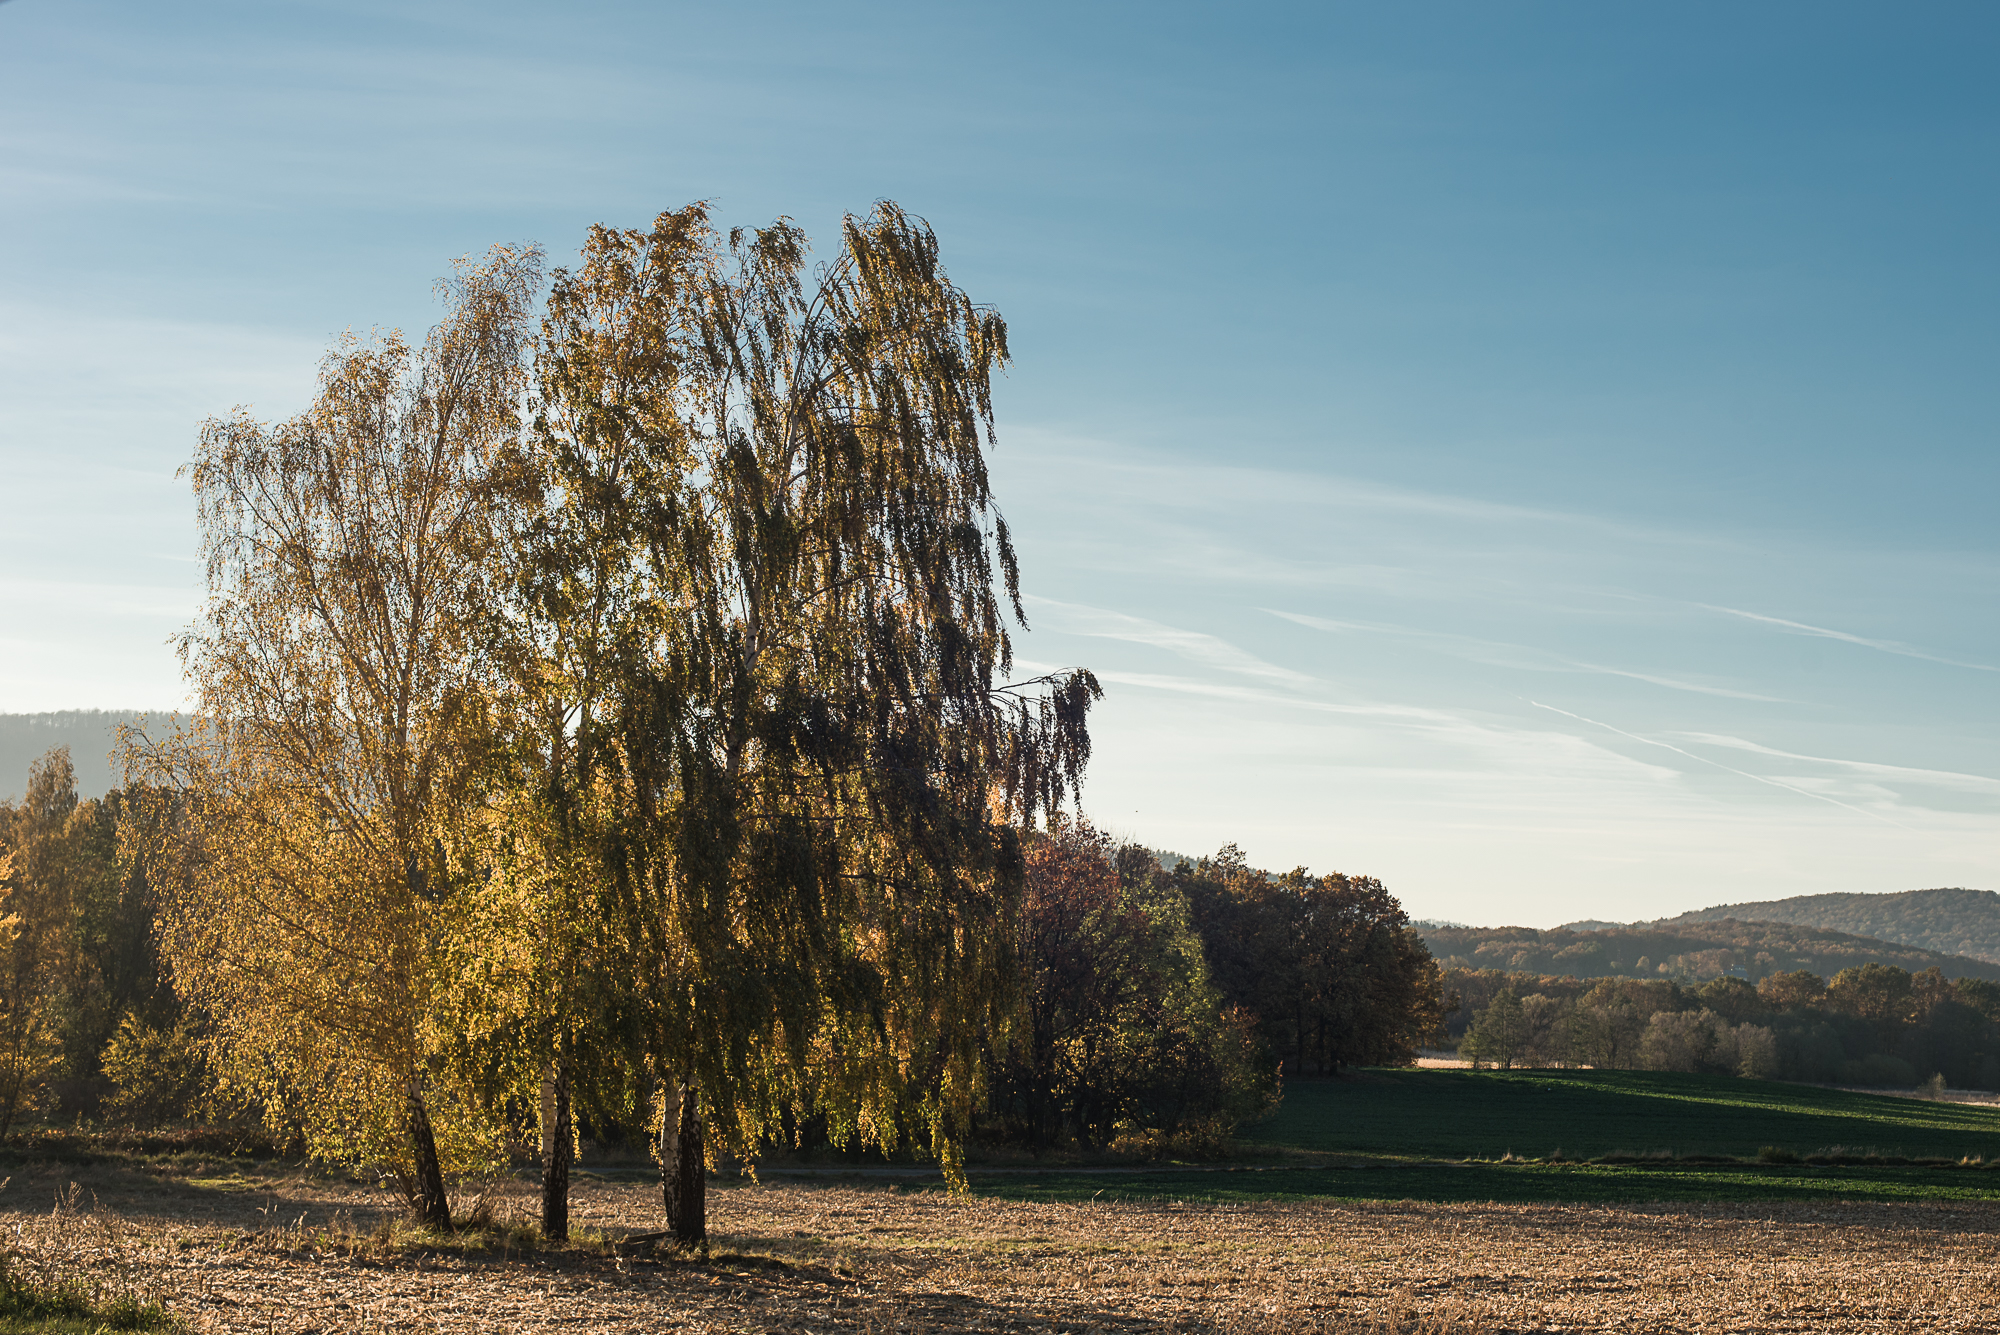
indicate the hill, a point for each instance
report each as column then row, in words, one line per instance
column 1953, row 920
column 1687, row 950
column 88, row 733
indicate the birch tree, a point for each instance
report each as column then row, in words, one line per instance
column 820, row 760
column 571, row 637
column 343, row 703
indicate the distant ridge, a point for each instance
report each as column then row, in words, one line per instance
column 1689, row 951
column 1952, row 920
column 88, row 733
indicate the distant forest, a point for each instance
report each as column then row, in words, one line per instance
column 1953, row 920
column 1870, row 1024
column 1683, row 950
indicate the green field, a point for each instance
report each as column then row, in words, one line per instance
column 1588, row 1114
column 1518, row 1136
column 1584, row 1183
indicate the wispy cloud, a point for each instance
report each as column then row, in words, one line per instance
column 1938, row 777
column 1673, row 684
column 1519, row 656
column 1408, row 714
column 1195, row 646
column 60, row 368
column 1500, row 747
column 1202, row 485
column 1885, row 646
column 1758, row 778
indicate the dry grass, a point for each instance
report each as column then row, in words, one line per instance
column 299, row 1254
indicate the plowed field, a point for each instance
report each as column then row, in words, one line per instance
column 292, row 1254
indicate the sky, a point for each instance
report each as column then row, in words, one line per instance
column 1539, row 455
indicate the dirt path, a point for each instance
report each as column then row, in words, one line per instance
column 279, row 1255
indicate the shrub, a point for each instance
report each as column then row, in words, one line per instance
column 160, row 1074
column 1813, row 1052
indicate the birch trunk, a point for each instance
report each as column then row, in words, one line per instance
column 558, row 1146
column 683, row 1170
column 425, row 1186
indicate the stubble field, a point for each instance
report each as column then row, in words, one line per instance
column 292, row 1253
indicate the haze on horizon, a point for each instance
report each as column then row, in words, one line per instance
column 1541, row 458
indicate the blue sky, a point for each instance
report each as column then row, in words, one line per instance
column 1540, row 455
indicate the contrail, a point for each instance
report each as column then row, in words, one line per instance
column 1672, row 684
column 1886, row 646
column 1802, row 792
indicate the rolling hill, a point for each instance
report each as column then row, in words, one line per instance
column 1688, row 950
column 1952, row 920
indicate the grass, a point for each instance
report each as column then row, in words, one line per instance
column 62, row 1314
column 82, row 1280
column 36, row 1295
column 1575, row 1136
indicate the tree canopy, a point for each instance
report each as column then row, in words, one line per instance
column 334, row 770
column 634, row 691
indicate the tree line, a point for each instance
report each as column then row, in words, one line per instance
column 82, row 987
column 1168, row 1001
column 1869, row 1024
column 1152, row 1007
column 605, row 717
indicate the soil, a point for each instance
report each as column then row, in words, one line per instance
column 230, row 1250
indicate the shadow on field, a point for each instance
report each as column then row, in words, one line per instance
column 239, row 1194
column 1516, row 1183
